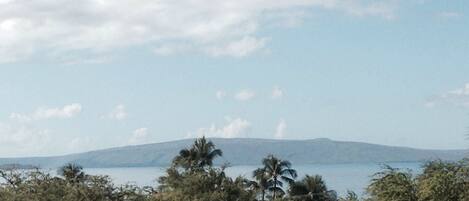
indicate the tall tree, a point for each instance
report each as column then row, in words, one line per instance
column 350, row 196
column 392, row 184
column 278, row 171
column 72, row 173
column 261, row 183
column 312, row 188
column 186, row 159
column 206, row 152
column 444, row 181
column 199, row 180
column 200, row 155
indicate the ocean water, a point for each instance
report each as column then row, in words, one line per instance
column 339, row 177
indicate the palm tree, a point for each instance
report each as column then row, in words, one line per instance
column 278, row 170
column 187, row 159
column 312, row 188
column 350, row 196
column 261, row 183
column 200, row 155
column 72, row 172
column 206, row 152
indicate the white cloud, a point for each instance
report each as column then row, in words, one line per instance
column 245, row 95
column 98, row 27
column 385, row 9
column 457, row 97
column 173, row 48
column 22, row 137
column 21, row 140
column 233, row 128
column 277, row 93
column 239, row 48
column 66, row 111
column 118, row 113
column 220, row 94
column 139, row 136
column 461, row 92
column 448, row 15
column 430, row 104
column 280, row 130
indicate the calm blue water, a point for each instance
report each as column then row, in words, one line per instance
column 339, row 177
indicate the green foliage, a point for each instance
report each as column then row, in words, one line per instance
column 210, row 185
column 275, row 172
column 350, row 196
column 439, row 181
column 34, row 185
column 311, row 188
column 199, row 156
column 392, row 185
column 73, row 173
column 192, row 177
column 444, row 181
column 261, row 182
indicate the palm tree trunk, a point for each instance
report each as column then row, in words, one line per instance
column 275, row 186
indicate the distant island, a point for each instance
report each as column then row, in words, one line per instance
column 245, row 151
column 17, row 166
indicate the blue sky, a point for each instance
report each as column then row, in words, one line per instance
column 102, row 73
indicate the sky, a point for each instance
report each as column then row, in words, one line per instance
column 84, row 75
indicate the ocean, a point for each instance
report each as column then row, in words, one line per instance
column 338, row 177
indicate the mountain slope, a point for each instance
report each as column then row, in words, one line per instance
column 244, row 151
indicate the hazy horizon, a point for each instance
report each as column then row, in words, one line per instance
column 86, row 77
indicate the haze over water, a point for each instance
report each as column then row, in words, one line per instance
column 340, row 177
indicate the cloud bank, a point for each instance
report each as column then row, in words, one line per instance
column 277, row 93
column 245, row 95
column 457, row 97
column 95, row 28
column 280, row 130
column 64, row 112
column 118, row 113
column 139, row 136
column 21, row 135
column 234, row 128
